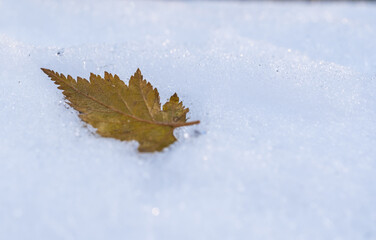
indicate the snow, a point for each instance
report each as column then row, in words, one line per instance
column 284, row 92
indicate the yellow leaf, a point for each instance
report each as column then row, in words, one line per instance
column 124, row 112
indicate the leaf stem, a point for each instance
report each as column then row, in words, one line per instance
column 184, row 124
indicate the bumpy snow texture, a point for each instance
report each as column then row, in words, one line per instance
column 286, row 98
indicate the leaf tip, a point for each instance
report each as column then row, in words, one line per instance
column 51, row 74
column 174, row 98
column 138, row 73
column 45, row 70
column 107, row 76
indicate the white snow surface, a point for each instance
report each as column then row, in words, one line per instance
column 286, row 98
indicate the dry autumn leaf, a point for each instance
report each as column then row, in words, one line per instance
column 124, row 112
